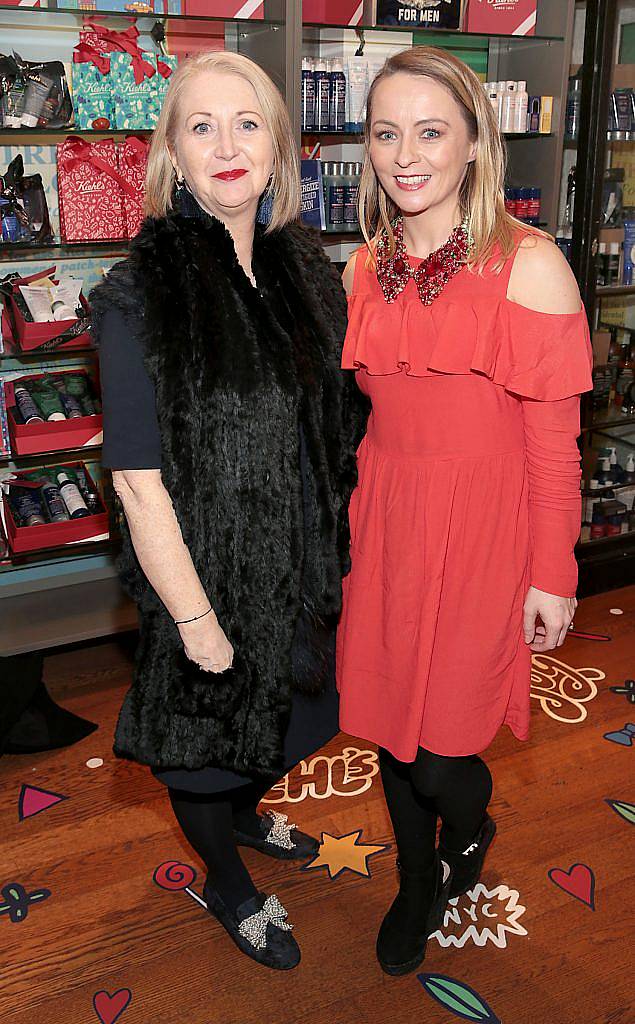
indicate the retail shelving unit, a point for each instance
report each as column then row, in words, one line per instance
column 67, row 595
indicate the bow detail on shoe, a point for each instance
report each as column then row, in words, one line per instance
column 280, row 833
column 254, row 928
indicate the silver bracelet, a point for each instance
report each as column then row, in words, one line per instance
column 183, row 622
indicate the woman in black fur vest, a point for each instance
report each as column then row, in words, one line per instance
column 229, row 429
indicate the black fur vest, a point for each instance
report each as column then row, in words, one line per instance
column 241, row 375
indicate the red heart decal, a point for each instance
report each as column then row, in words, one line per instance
column 578, row 881
column 110, row 1007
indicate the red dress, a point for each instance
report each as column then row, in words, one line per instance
column 468, row 493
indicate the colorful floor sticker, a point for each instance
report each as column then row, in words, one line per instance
column 344, row 853
column 16, row 901
column 109, row 1008
column 626, row 811
column 623, row 737
column 177, row 877
column 33, row 800
column 480, row 916
column 627, row 689
column 561, row 690
column 457, row 997
column 578, row 881
column 350, row 773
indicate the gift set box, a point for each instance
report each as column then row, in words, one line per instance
column 92, row 89
column 49, row 336
column 51, row 436
column 513, row 17
column 23, row 539
column 332, row 12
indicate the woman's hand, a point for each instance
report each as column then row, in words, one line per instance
column 556, row 615
column 206, row 644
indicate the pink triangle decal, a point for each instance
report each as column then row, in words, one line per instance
column 33, row 800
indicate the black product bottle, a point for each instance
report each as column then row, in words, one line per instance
column 337, row 97
column 26, row 506
column 351, row 194
column 308, row 95
column 88, row 494
column 26, row 406
column 53, row 502
column 72, row 498
column 322, row 88
column 335, row 196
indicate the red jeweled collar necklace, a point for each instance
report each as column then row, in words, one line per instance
column 432, row 274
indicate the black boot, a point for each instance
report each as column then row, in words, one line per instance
column 258, row 927
column 416, row 912
column 467, row 864
column 278, row 839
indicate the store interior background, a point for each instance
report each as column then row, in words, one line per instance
column 564, row 799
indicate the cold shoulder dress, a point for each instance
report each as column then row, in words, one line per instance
column 468, row 493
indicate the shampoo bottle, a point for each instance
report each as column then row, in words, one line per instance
column 77, row 508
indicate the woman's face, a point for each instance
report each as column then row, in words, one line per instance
column 223, row 147
column 419, row 143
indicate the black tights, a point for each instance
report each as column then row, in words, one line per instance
column 208, row 821
column 458, row 789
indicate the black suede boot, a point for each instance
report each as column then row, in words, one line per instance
column 467, row 864
column 416, row 912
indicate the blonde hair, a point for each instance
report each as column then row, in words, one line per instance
column 284, row 187
column 481, row 195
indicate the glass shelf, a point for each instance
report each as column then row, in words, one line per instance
column 609, row 418
column 422, row 30
column 88, row 451
column 66, row 250
column 607, row 541
column 19, row 355
column 616, row 289
column 134, row 15
column 47, row 556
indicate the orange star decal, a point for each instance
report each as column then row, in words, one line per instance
column 344, row 853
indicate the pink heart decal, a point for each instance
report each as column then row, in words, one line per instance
column 578, row 881
column 110, row 1007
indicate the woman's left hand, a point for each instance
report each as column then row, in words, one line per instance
column 556, row 615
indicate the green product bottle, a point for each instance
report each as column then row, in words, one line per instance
column 76, row 384
column 48, row 400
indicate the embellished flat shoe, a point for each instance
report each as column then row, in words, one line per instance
column 259, row 928
column 279, row 839
column 467, row 864
column 416, row 913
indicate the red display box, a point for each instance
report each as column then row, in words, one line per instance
column 250, row 11
column 90, row 191
column 505, row 17
column 23, row 539
column 30, row 336
column 61, row 435
column 332, row 12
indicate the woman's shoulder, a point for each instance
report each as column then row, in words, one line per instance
column 120, row 289
column 540, row 277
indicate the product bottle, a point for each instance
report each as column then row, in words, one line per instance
column 626, row 373
column 598, row 523
column 73, row 500
column 308, row 95
column 76, row 384
column 26, row 406
column 627, row 493
column 351, row 194
column 613, row 270
column 337, row 97
column 26, row 506
column 334, row 188
column 534, row 202
column 501, row 88
column 629, row 245
column 493, row 96
column 48, row 400
column 509, row 108
column 616, row 470
column 522, row 204
column 72, row 405
column 603, row 474
column 572, row 116
column 533, row 114
column 53, row 503
column 600, row 265
column 322, row 87
column 89, row 495
column 521, row 108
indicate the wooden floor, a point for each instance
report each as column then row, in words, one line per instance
column 106, row 926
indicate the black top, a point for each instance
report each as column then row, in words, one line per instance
column 131, row 429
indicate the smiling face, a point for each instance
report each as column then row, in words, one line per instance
column 420, row 144
column 222, row 147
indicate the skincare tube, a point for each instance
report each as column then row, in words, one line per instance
column 26, row 506
column 76, row 384
column 88, row 494
column 356, row 92
column 52, row 501
column 72, row 405
column 35, row 96
column 48, row 400
column 26, row 406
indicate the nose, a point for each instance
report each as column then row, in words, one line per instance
column 406, row 153
column 226, row 148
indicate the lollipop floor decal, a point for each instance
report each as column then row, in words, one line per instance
column 175, row 877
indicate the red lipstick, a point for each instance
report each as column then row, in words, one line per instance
column 231, row 175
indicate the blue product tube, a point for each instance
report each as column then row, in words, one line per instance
column 629, row 245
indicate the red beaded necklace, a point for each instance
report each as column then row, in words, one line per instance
column 432, row 274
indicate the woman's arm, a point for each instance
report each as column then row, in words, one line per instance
column 542, row 280
column 167, row 564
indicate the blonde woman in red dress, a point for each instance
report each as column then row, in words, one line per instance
column 468, row 335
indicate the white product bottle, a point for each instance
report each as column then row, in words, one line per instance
column 500, row 90
column 509, row 108
column 522, row 105
column 71, row 495
column 491, row 92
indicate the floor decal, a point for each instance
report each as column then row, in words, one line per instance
column 110, row 1007
column 33, row 800
column 561, row 690
column 615, row 611
column 459, row 998
column 626, row 811
column 628, row 689
column 578, row 881
column 174, row 876
column 16, row 901
column 623, row 737
column 350, row 773
column 480, row 916
column 344, row 853
column 94, row 762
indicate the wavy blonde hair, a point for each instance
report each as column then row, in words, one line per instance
column 284, row 187
column 481, row 196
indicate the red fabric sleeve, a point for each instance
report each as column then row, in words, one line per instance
column 553, row 463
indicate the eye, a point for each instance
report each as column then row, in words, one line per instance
column 248, row 125
column 430, row 133
column 201, row 128
column 386, row 135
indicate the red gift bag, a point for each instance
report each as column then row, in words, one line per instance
column 91, row 191
column 132, row 158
